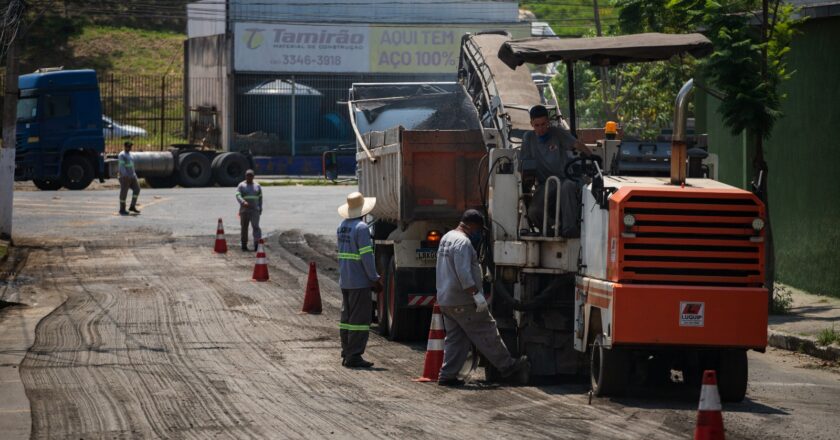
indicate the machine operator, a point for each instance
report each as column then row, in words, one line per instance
column 549, row 148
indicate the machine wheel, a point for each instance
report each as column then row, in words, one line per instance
column 400, row 322
column 162, row 181
column 609, row 369
column 733, row 373
column 47, row 185
column 76, row 173
column 193, row 169
column 229, row 168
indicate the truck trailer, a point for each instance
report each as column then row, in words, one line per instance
column 60, row 141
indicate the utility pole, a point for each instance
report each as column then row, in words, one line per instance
column 605, row 78
column 13, row 17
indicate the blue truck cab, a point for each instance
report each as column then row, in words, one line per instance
column 59, row 142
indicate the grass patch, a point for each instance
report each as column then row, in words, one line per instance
column 782, row 300
column 122, row 50
column 828, row 336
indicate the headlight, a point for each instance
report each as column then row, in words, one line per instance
column 758, row 224
column 629, row 220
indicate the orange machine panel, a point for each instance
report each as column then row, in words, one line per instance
column 686, row 315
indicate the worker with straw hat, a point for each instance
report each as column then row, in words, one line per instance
column 357, row 276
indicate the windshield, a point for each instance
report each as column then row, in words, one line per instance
column 27, row 109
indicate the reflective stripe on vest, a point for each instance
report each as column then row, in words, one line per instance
column 349, row 256
column 354, row 327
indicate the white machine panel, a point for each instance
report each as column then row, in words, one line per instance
column 594, row 246
column 510, row 253
column 504, row 196
column 560, row 255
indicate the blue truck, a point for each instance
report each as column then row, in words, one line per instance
column 59, row 130
column 60, row 141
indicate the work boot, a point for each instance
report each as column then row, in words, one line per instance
column 244, row 247
column 357, row 362
column 134, row 209
column 452, row 382
column 520, row 365
column 122, row 209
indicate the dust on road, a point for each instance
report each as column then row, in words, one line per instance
column 160, row 338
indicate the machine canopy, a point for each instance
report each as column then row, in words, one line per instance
column 603, row 51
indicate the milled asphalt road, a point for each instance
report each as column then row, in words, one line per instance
column 142, row 332
column 182, row 212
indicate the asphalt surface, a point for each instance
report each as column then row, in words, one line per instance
column 142, row 332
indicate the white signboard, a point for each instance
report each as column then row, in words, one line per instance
column 261, row 47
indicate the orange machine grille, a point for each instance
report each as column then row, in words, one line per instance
column 701, row 239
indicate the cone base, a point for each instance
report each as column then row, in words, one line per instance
column 304, row 312
column 423, row 379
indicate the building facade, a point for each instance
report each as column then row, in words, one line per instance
column 277, row 73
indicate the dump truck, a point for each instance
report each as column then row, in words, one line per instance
column 60, row 141
column 668, row 272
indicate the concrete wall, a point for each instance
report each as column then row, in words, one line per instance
column 803, row 155
column 377, row 11
column 205, row 18
column 208, row 65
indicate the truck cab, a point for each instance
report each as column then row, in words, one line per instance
column 59, row 141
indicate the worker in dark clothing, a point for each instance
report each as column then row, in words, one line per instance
column 128, row 179
column 466, row 314
column 250, row 198
column 356, row 277
column 549, row 147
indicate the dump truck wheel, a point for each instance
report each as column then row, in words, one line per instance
column 400, row 322
column 733, row 374
column 229, row 168
column 609, row 369
column 47, row 185
column 193, row 169
column 77, row 173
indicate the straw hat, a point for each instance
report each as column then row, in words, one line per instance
column 357, row 205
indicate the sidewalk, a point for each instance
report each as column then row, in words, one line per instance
column 811, row 318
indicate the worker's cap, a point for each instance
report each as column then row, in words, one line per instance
column 357, row 206
column 249, row 172
column 538, row 111
column 472, row 217
column 128, row 144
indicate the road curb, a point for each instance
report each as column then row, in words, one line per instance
column 802, row 344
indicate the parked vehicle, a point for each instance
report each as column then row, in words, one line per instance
column 61, row 140
column 667, row 274
column 112, row 129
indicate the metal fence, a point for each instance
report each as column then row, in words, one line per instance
column 148, row 110
column 299, row 115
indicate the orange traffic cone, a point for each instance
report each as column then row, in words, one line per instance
column 709, row 417
column 434, row 348
column 312, row 297
column 261, row 268
column 221, row 243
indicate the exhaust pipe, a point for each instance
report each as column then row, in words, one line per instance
column 678, row 139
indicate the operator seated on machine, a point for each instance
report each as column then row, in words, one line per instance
column 548, row 147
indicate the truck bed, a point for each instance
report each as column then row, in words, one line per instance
column 421, row 174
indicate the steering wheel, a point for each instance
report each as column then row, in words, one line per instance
column 583, row 166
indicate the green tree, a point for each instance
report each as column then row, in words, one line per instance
column 751, row 40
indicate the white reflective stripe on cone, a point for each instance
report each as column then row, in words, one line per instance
column 709, row 398
column 261, row 260
column 220, row 237
column 435, row 345
column 437, row 322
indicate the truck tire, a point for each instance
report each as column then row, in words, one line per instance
column 609, row 369
column 47, row 185
column 76, row 173
column 733, row 374
column 400, row 321
column 382, row 311
column 162, row 181
column 193, row 169
column 229, row 168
